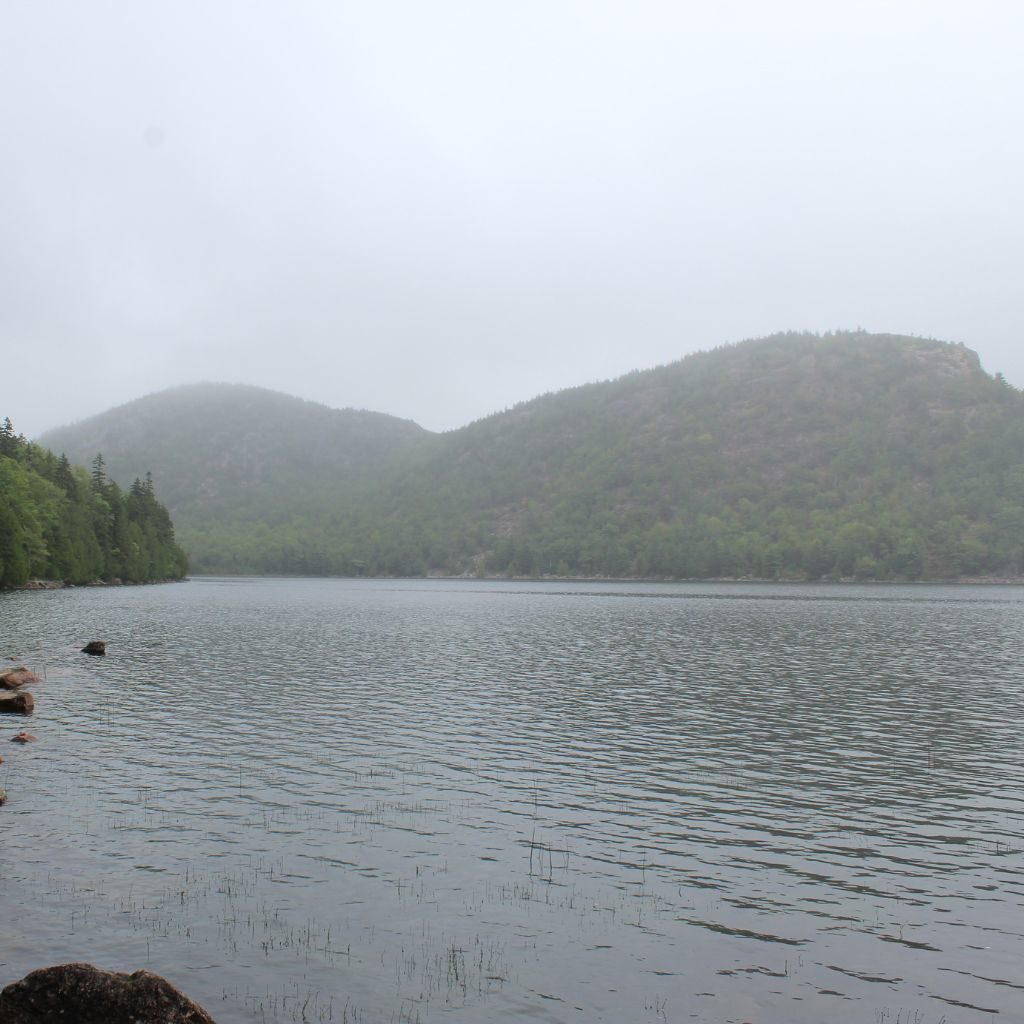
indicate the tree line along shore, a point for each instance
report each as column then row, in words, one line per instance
column 64, row 525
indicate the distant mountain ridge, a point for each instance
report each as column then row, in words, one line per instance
column 212, row 443
column 793, row 456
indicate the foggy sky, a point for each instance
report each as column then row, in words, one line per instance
column 436, row 209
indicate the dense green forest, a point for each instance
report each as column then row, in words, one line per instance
column 797, row 456
column 60, row 522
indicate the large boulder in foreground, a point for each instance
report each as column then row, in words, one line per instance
column 86, row 995
column 16, row 702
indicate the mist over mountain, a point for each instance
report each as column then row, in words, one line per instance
column 793, row 456
column 214, row 448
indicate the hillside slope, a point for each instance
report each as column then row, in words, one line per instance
column 245, row 464
column 798, row 456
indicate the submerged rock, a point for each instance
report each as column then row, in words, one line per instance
column 16, row 703
column 87, row 995
column 12, row 678
column 95, row 647
column 23, row 737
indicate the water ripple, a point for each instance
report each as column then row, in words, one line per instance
column 408, row 801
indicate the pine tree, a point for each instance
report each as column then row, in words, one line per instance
column 8, row 439
column 99, row 473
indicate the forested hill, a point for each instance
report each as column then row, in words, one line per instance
column 255, row 480
column 59, row 522
column 794, row 456
column 217, row 449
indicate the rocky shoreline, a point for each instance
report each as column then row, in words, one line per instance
column 62, row 585
column 81, row 992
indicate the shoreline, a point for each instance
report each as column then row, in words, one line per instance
column 971, row 581
column 64, row 585
column 1007, row 581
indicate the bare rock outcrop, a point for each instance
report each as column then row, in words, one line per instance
column 98, row 647
column 87, row 995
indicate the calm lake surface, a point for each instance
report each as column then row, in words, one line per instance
column 424, row 801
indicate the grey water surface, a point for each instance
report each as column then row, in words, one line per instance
column 423, row 801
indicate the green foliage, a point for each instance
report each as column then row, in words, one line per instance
column 58, row 522
column 795, row 456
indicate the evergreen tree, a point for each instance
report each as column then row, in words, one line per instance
column 99, row 473
column 8, row 440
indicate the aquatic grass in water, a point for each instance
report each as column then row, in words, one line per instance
column 389, row 801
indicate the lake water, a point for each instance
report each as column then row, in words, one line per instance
column 423, row 801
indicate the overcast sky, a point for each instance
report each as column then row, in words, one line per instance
column 437, row 209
